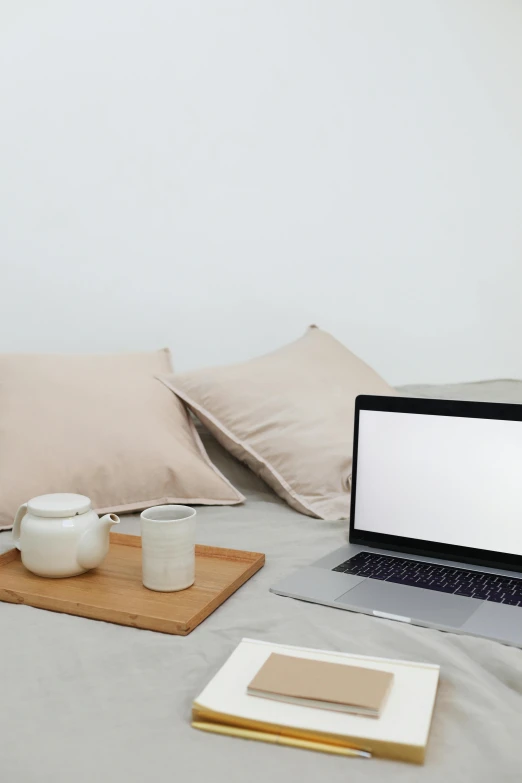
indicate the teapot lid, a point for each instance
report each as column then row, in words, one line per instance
column 61, row 504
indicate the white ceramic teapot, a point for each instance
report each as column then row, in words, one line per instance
column 60, row 535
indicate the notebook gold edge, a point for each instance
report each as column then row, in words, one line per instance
column 278, row 739
column 412, row 753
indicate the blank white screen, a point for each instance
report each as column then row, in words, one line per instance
column 441, row 478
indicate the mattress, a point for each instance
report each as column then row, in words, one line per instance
column 88, row 701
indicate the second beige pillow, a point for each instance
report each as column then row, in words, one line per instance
column 289, row 416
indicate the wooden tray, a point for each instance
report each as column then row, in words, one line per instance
column 114, row 591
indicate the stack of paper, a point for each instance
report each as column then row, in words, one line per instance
column 400, row 732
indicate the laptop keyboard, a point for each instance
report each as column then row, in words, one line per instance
column 444, row 579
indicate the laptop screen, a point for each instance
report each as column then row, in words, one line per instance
column 450, row 479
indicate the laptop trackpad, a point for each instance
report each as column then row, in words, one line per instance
column 416, row 603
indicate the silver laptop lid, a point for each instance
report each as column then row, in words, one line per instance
column 440, row 478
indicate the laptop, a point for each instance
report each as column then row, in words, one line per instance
column 435, row 522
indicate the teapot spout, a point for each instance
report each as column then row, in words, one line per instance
column 94, row 543
column 108, row 521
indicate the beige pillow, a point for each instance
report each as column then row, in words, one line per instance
column 100, row 426
column 289, row 416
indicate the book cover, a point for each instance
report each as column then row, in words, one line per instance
column 322, row 684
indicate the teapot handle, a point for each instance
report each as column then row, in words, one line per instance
column 20, row 514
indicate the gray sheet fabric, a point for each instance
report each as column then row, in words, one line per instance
column 84, row 701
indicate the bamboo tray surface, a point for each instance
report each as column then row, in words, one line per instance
column 114, row 592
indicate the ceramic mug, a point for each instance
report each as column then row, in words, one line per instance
column 168, row 555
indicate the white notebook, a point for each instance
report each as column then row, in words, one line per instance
column 401, row 731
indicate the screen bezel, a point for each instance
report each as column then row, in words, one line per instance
column 415, row 546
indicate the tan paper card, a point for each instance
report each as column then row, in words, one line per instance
column 331, row 686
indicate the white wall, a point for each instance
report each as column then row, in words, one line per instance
column 215, row 175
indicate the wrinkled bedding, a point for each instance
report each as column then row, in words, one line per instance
column 88, row 701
